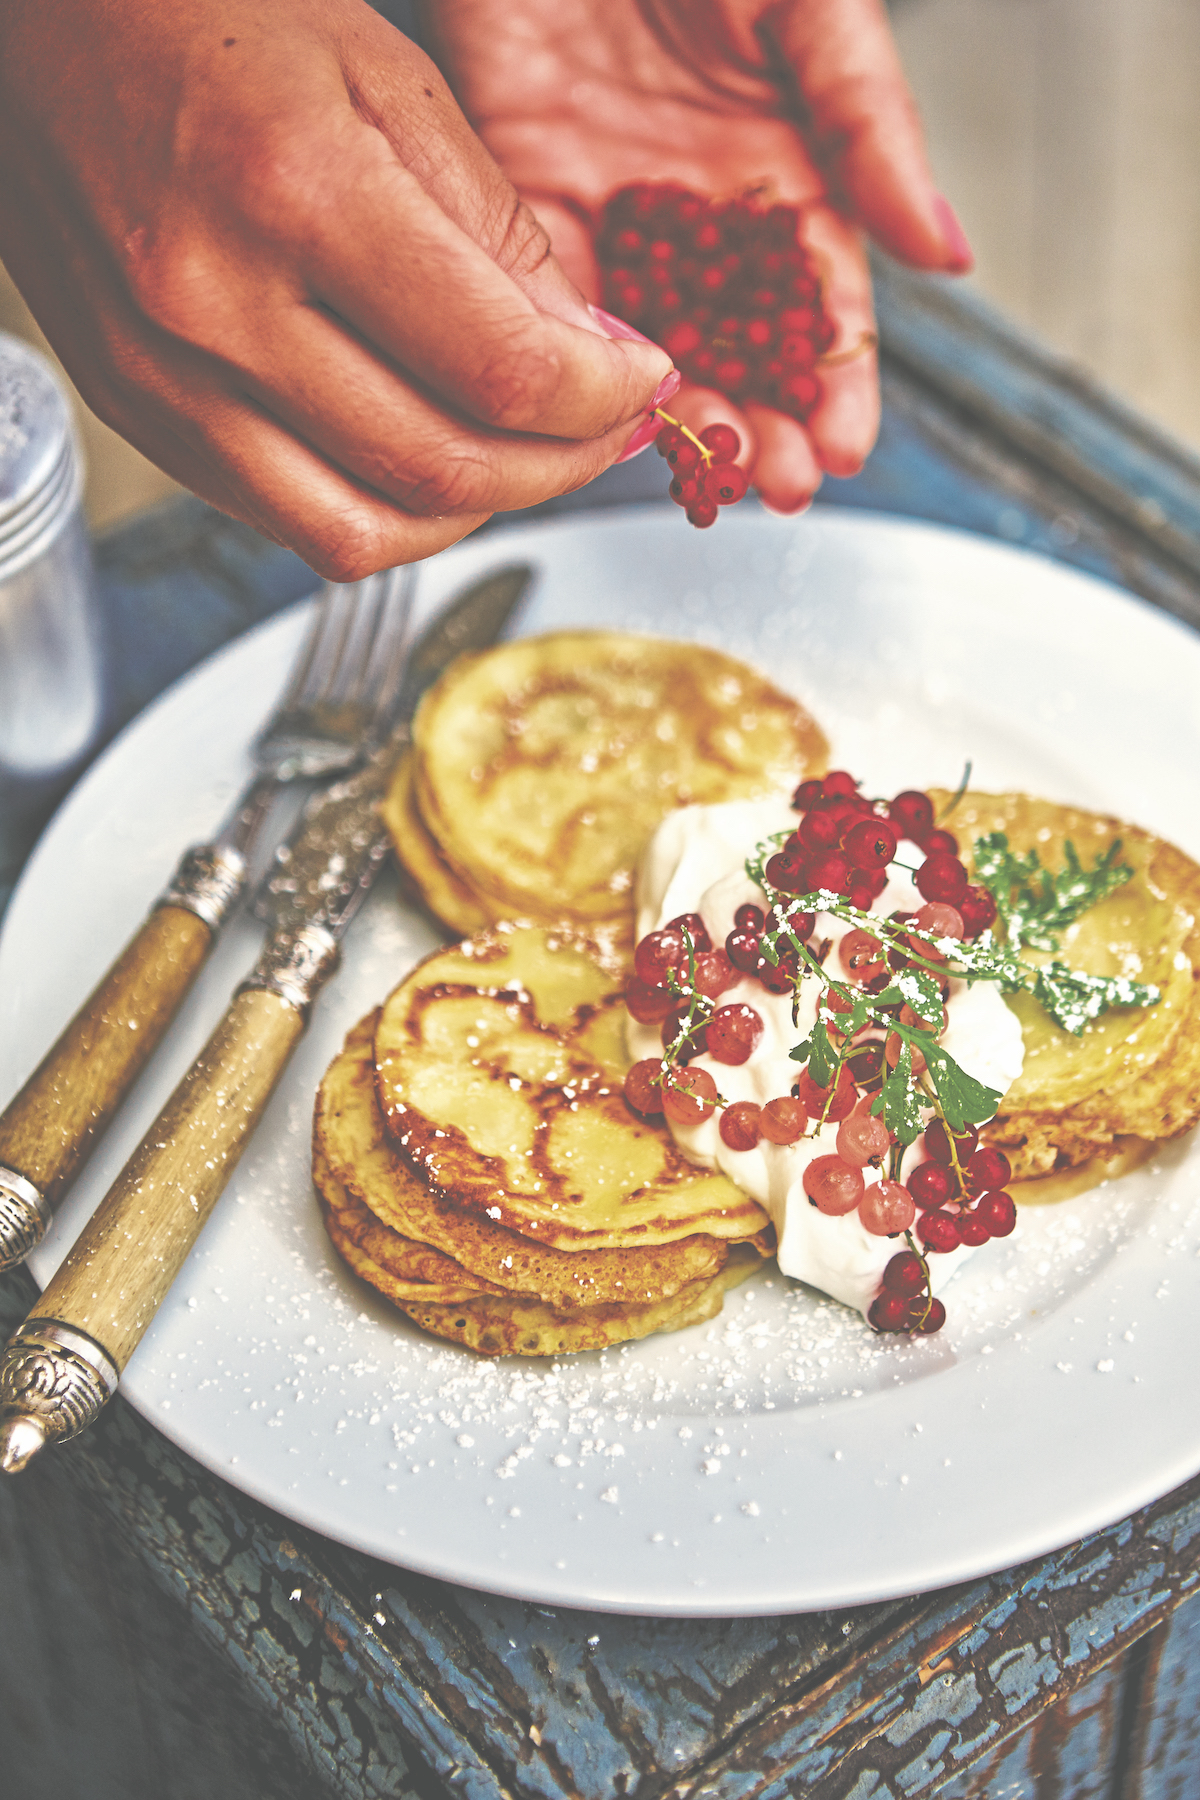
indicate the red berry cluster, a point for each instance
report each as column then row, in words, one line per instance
column 706, row 476
column 961, row 1201
column 844, row 843
column 724, row 287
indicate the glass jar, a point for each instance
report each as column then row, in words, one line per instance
column 51, row 662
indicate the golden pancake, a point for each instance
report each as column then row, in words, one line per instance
column 543, row 766
column 395, row 1265
column 1135, row 1071
column 444, row 892
column 499, row 1071
column 349, row 1137
column 526, row 1328
column 459, row 903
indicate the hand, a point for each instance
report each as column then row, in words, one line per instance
column 272, row 254
column 576, row 98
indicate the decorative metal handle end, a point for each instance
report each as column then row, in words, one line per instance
column 54, row 1381
column 295, row 965
column 21, row 1437
column 24, row 1217
column 208, row 882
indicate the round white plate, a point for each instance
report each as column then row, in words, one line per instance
column 781, row 1457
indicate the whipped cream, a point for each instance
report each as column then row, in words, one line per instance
column 696, row 863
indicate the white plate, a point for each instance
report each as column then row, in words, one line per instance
column 780, row 1458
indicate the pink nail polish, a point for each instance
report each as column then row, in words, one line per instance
column 615, row 327
column 960, row 256
column 649, row 428
column 642, row 438
column 670, row 384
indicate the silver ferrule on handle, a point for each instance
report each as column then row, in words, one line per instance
column 208, row 882
column 295, row 965
column 210, row 877
column 54, row 1381
column 24, row 1217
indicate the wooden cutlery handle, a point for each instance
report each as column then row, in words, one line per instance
column 48, row 1130
column 51, row 1125
column 114, row 1279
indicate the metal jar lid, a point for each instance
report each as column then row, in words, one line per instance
column 41, row 476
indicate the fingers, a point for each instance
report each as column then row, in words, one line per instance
column 777, row 453
column 785, row 470
column 414, row 237
column 348, row 226
column 863, row 116
column 250, row 467
column 332, row 392
column 177, row 406
column 403, row 94
column 336, row 323
column 571, row 240
column 449, row 315
column 844, row 423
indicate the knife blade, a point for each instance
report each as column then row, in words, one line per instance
column 64, row 1363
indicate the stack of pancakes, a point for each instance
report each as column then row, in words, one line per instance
column 473, row 1152
column 540, row 769
column 477, row 1163
column 475, row 1158
column 1133, row 1077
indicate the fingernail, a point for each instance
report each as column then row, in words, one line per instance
column 960, row 256
column 642, row 438
column 670, row 384
column 615, row 327
column 787, row 512
column 649, row 428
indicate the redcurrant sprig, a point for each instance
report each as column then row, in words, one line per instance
column 706, row 475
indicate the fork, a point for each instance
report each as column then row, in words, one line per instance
column 336, row 708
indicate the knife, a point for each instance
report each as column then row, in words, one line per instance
column 64, row 1363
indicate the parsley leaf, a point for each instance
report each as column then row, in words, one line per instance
column 1035, row 903
column 915, row 988
column 818, row 1053
column 1072, row 998
column 898, row 1101
column 962, row 1099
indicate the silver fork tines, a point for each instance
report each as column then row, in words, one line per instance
column 336, row 708
column 345, row 684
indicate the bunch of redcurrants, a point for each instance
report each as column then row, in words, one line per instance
column 725, row 287
column 844, row 844
column 705, row 474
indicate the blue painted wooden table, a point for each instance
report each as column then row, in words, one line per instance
column 209, row 1648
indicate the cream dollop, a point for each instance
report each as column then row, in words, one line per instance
column 696, row 863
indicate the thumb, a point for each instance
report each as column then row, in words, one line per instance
column 864, row 127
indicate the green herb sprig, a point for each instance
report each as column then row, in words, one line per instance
column 1035, row 903
column 1070, row 996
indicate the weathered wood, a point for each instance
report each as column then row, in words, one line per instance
column 50, row 1128
column 1056, row 417
column 106, row 1692
column 1164, row 1737
column 1070, row 1752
